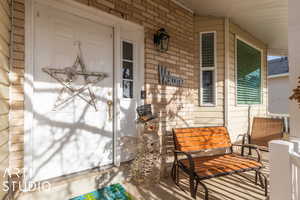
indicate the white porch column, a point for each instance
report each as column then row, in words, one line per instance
column 281, row 170
column 284, row 178
column 294, row 63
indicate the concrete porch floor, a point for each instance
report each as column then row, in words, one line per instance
column 231, row 187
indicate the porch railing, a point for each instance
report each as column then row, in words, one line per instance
column 295, row 162
column 286, row 119
column 285, row 169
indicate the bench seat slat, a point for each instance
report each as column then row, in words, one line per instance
column 200, row 139
column 202, row 134
column 200, row 148
column 213, row 166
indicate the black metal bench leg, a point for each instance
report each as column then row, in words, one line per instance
column 265, row 184
column 205, row 190
column 175, row 174
column 261, row 180
column 172, row 172
column 192, row 186
column 256, row 177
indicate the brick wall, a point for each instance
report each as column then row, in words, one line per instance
column 175, row 106
column 16, row 88
column 5, row 28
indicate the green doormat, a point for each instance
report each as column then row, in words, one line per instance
column 113, row 192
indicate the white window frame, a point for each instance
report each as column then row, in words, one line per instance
column 214, row 69
column 261, row 72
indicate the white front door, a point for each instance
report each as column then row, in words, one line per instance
column 74, row 136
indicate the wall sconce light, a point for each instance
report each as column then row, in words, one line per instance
column 161, row 40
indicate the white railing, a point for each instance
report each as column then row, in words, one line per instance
column 285, row 169
column 295, row 166
column 286, row 119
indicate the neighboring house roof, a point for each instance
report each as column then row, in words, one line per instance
column 278, row 66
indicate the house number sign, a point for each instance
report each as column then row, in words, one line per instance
column 165, row 77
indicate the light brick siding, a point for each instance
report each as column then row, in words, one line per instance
column 5, row 26
column 16, row 88
column 175, row 106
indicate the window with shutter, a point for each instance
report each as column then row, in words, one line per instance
column 248, row 61
column 208, row 69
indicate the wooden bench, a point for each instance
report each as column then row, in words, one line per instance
column 189, row 141
column 263, row 131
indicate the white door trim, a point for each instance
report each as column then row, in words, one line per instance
column 92, row 14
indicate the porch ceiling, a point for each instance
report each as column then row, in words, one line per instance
column 265, row 19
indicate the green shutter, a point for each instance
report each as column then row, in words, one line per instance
column 248, row 74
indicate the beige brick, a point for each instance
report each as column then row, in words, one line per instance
column 19, row 15
column 19, row 7
column 17, row 147
column 19, row 64
column 16, row 139
column 18, row 31
column 18, row 55
column 17, row 105
column 18, row 39
column 17, row 114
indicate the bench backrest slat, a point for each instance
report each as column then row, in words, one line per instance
column 198, row 139
column 265, row 130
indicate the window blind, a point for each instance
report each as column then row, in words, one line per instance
column 208, row 87
column 208, row 49
column 248, row 74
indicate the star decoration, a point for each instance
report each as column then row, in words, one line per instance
column 68, row 75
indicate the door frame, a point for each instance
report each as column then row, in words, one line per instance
column 95, row 15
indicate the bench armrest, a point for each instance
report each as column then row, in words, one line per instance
column 189, row 157
column 244, row 137
column 250, row 146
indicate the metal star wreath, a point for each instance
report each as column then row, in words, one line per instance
column 68, row 75
column 296, row 95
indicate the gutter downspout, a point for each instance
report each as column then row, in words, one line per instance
column 226, row 74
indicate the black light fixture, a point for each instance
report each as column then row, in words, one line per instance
column 161, row 40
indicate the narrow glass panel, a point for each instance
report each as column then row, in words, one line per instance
column 127, row 89
column 208, row 87
column 127, row 70
column 127, row 51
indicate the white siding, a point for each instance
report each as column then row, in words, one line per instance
column 279, row 92
column 210, row 116
column 238, row 122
